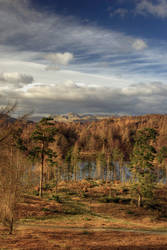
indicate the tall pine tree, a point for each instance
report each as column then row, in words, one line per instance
column 142, row 164
column 43, row 136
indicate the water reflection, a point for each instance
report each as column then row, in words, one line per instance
column 113, row 172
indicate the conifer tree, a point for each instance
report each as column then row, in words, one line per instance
column 142, row 164
column 43, row 135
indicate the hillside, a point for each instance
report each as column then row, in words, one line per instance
column 105, row 135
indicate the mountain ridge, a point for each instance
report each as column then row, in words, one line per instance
column 75, row 117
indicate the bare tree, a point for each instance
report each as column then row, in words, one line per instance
column 12, row 168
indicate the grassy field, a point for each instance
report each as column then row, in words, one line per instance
column 88, row 215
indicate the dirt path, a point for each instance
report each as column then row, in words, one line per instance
column 50, row 236
column 89, row 228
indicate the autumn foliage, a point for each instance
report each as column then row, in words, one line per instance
column 107, row 135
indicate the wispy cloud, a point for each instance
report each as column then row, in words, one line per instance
column 58, row 38
column 97, row 65
column 156, row 8
column 122, row 12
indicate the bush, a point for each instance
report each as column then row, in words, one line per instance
column 45, row 209
column 115, row 199
column 47, row 187
column 36, row 193
column 84, row 195
column 152, row 206
column 130, row 212
column 56, row 198
column 64, row 190
column 105, row 199
column 73, row 211
column 125, row 200
column 72, row 193
column 125, row 190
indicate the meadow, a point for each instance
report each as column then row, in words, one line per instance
column 87, row 215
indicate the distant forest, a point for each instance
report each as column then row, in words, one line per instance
column 109, row 136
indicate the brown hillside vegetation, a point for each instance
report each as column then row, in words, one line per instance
column 77, row 222
column 101, row 205
column 106, row 135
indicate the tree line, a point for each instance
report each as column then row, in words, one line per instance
column 57, row 149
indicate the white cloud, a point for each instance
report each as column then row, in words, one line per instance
column 32, row 35
column 69, row 96
column 60, row 58
column 119, row 12
column 103, row 57
column 158, row 9
column 139, row 44
column 15, row 78
column 57, row 33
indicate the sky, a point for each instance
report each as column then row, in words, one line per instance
column 99, row 56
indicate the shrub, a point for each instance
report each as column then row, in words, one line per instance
column 56, row 198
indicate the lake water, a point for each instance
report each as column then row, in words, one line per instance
column 114, row 172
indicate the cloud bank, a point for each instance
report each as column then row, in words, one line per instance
column 70, row 96
column 16, row 78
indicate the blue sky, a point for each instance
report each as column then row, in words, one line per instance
column 119, row 15
column 99, row 56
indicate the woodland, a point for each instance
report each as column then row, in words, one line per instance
column 67, row 164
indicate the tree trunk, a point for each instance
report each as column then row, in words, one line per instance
column 98, row 169
column 124, row 175
column 110, row 193
column 68, row 172
column 139, row 200
column 11, row 226
column 115, row 172
column 107, row 168
column 75, row 172
column 41, row 175
column 41, row 182
column 89, row 171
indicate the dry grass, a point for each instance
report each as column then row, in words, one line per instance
column 39, row 238
column 48, row 224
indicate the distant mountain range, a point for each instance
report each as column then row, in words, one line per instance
column 74, row 117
